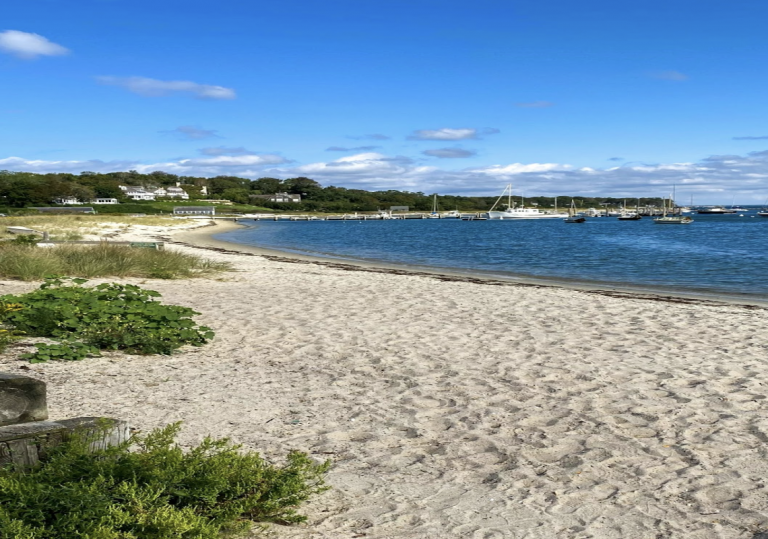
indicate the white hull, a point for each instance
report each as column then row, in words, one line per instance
column 673, row 220
column 524, row 213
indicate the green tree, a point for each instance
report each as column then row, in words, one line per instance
column 267, row 186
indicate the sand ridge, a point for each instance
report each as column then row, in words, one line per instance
column 453, row 409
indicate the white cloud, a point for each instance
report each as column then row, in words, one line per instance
column 157, row 88
column 445, row 133
column 29, row 46
column 234, row 161
column 709, row 180
column 519, row 168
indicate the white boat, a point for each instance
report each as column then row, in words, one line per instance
column 521, row 212
column 715, row 210
column 673, row 220
column 451, row 214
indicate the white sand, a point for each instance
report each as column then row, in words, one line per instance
column 458, row 409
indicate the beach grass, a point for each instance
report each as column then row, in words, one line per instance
column 74, row 227
column 30, row 263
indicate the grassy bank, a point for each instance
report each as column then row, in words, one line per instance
column 30, row 263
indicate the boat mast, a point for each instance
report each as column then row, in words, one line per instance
column 507, row 189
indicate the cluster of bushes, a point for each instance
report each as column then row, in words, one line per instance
column 109, row 316
column 153, row 491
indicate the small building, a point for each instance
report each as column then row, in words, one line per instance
column 104, row 201
column 195, row 210
column 58, row 209
column 66, row 200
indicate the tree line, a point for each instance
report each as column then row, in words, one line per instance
column 25, row 189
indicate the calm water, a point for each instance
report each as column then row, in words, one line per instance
column 717, row 254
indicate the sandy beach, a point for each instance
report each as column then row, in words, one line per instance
column 455, row 407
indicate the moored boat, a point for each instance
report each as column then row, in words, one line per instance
column 673, row 220
column 715, row 210
column 674, row 217
column 520, row 212
column 573, row 217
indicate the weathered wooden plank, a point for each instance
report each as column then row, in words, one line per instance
column 23, row 445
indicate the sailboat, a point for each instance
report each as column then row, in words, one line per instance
column 629, row 216
column 672, row 219
column 764, row 211
column 434, row 214
column 572, row 217
column 511, row 212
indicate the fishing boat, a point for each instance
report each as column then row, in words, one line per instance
column 572, row 216
column 521, row 212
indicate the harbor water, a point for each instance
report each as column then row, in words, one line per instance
column 716, row 255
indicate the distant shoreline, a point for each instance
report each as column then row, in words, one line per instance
column 203, row 237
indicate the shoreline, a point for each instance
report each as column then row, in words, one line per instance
column 202, row 237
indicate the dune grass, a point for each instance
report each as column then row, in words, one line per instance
column 30, row 263
column 74, row 227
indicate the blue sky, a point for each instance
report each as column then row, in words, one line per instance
column 556, row 97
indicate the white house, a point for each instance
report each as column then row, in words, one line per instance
column 176, row 192
column 66, row 200
column 137, row 193
column 104, row 201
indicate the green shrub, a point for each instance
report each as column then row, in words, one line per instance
column 65, row 351
column 108, row 316
column 26, row 239
column 8, row 334
column 154, row 491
